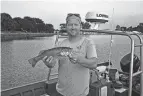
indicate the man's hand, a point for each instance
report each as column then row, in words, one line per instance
column 49, row 62
column 75, row 58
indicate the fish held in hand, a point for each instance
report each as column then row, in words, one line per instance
column 55, row 52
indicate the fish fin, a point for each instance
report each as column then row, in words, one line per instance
column 32, row 61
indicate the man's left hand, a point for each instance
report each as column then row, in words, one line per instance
column 75, row 58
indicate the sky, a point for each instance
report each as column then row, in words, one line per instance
column 126, row 12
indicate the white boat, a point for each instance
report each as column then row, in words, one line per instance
column 48, row 87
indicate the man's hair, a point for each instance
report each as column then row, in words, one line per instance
column 72, row 15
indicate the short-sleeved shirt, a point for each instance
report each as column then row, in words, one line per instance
column 73, row 79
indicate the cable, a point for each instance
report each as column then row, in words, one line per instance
column 111, row 42
column 57, row 37
column 50, row 69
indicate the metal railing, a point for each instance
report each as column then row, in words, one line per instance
column 131, row 74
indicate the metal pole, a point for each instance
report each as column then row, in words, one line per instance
column 50, row 69
column 57, row 37
column 141, row 65
column 131, row 68
column 111, row 41
column 110, row 53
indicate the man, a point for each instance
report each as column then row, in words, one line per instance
column 73, row 78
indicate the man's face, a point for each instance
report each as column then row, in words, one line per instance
column 73, row 27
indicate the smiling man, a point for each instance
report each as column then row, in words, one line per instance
column 73, row 78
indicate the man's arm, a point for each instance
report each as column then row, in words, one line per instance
column 89, row 63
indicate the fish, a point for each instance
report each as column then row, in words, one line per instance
column 55, row 52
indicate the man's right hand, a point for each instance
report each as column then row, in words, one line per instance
column 49, row 61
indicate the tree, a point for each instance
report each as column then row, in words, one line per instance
column 63, row 27
column 123, row 28
column 26, row 24
column 85, row 25
column 30, row 21
column 130, row 28
column 49, row 28
column 40, row 25
column 38, row 21
column 118, row 27
column 7, row 23
column 140, row 27
column 18, row 23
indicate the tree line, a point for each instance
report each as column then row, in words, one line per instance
column 138, row 28
column 26, row 24
column 85, row 25
column 37, row 25
column 29, row 24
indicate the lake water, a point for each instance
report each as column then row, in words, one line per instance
column 16, row 71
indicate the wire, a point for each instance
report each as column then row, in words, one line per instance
column 57, row 37
column 111, row 41
column 50, row 69
column 110, row 51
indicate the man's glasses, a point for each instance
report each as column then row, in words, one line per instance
column 72, row 14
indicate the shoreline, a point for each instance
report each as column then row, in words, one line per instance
column 19, row 36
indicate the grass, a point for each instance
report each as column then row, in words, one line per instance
column 20, row 35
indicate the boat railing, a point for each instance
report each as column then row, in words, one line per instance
column 132, row 55
column 53, row 77
column 129, row 35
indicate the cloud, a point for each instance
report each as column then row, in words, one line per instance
column 55, row 11
column 130, row 20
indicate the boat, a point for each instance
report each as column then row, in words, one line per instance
column 98, row 87
column 48, row 87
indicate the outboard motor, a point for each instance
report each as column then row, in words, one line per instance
column 125, row 66
column 125, row 63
